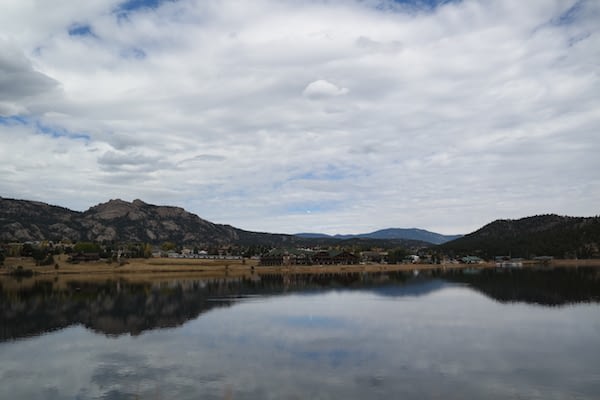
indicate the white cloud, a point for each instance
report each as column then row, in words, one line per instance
column 322, row 88
column 441, row 118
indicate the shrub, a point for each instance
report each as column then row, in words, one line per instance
column 49, row 260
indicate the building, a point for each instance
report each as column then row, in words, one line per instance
column 471, row 260
column 333, row 257
column 278, row 257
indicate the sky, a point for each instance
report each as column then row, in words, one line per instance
column 305, row 115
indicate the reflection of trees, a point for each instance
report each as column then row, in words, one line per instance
column 113, row 307
column 549, row 287
column 117, row 307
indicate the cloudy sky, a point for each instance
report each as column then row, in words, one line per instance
column 305, row 115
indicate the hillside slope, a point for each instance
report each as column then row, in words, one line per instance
column 540, row 235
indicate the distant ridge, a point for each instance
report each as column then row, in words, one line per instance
column 539, row 235
column 121, row 221
column 391, row 233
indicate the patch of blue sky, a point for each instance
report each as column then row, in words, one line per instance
column 135, row 53
column 567, row 18
column 425, row 3
column 578, row 38
column 131, row 6
column 329, row 173
column 570, row 15
column 13, row 120
column 416, row 5
column 42, row 128
column 59, row 132
column 81, row 30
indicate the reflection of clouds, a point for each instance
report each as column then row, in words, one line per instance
column 310, row 321
column 450, row 343
column 119, row 375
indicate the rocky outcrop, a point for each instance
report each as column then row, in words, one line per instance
column 22, row 220
column 122, row 221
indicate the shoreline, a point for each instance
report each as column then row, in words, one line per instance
column 169, row 268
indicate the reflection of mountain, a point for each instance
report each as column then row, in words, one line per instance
column 113, row 307
column 420, row 286
column 549, row 287
column 121, row 307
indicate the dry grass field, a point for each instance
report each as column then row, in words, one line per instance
column 166, row 268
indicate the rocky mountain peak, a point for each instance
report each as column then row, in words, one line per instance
column 112, row 209
column 119, row 220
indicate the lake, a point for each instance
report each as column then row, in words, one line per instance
column 493, row 334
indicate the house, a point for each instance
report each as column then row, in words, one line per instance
column 374, row 256
column 277, row 257
column 334, row 257
column 411, row 259
column 471, row 260
column 306, row 257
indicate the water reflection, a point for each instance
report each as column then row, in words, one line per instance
column 440, row 334
column 543, row 286
column 115, row 307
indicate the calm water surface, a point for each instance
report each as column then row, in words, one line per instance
column 518, row 334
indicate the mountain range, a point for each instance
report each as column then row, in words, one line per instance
column 118, row 220
column 137, row 221
column 391, row 233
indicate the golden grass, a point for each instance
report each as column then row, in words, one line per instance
column 145, row 269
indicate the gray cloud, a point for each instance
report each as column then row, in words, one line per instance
column 373, row 45
column 202, row 158
column 19, row 80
